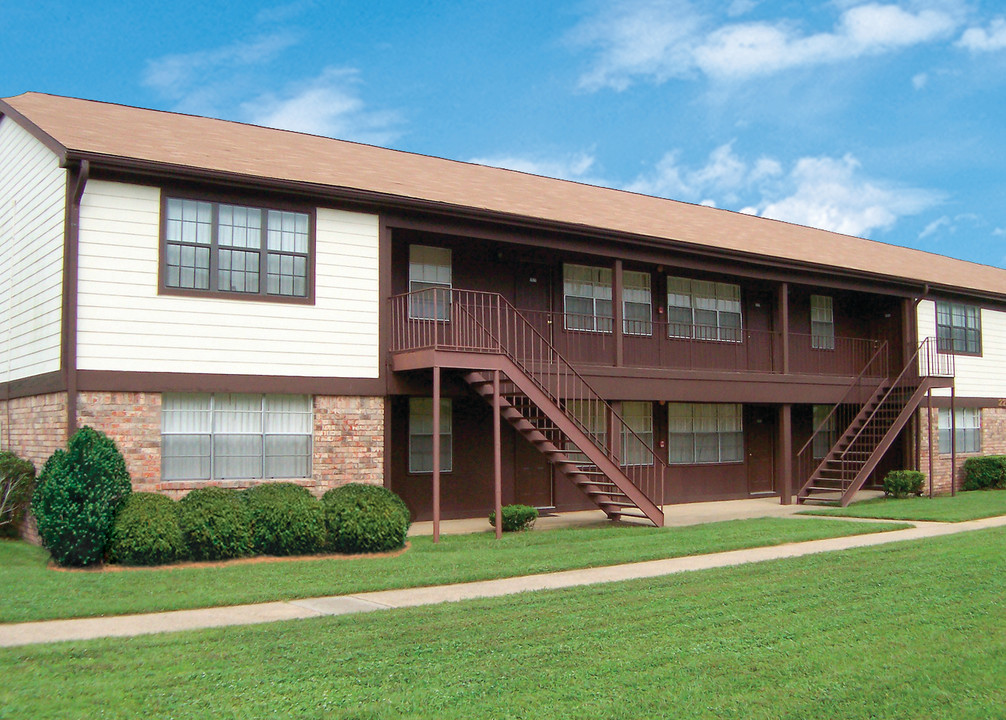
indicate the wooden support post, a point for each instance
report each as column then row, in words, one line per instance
column 617, row 288
column 497, row 457
column 784, row 324
column 436, row 453
column 953, row 440
column 929, row 425
column 786, row 453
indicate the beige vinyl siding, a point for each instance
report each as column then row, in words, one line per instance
column 32, row 206
column 983, row 376
column 125, row 325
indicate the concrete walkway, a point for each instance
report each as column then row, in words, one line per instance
column 129, row 625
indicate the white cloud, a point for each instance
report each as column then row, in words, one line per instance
column 981, row 40
column 575, row 166
column 657, row 40
column 934, row 227
column 999, row 232
column 327, row 105
column 920, row 80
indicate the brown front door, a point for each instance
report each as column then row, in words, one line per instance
column 532, row 475
column 759, row 437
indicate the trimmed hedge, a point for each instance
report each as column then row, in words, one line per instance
column 215, row 524
column 79, row 493
column 286, row 519
column 365, row 519
column 516, row 518
column 985, row 473
column 146, row 531
column 17, row 482
column 902, row 483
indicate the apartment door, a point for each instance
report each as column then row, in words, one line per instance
column 759, row 437
column 532, row 476
column 533, row 295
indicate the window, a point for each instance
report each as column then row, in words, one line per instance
column 703, row 310
column 421, row 435
column 968, row 423
column 237, row 250
column 430, row 278
column 225, row 436
column 704, row 433
column 637, row 313
column 587, row 298
column 958, row 328
column 825, row 440
column 637, row 449
column 592, row 417
column 822, row 323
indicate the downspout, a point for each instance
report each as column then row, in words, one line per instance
column 71, row 244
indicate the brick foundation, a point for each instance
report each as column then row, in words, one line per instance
column 33, row 427
column 133, row 421
column 348, row 441
column 993, row 443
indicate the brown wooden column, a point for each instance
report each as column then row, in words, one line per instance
column 616, row 308
column 497, row 457
column 929, row 425
column 436, row 453
column 786, row 454
column 783, row 325
column 953, row 440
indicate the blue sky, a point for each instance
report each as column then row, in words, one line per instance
column 879, row 119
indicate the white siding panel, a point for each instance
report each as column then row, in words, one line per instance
column 983, row 376
column 32, row 206
column 125, row 325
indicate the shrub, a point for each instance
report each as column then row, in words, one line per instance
column 365, row 519
column 146, row 531
column 17, row 481
column 285, row 519
column 983, row 473
column 79, row 492
column 902, row 483
column 215, row 524
column 516, row 518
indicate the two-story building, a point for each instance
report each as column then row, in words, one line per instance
column 235, row 304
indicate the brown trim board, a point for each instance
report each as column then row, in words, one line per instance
column 44, row 384
column 35, row 131
column 76, row 180
column 124, row 381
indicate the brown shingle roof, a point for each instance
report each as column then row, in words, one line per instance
column 117, row 131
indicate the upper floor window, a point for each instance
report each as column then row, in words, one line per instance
column 637, row 312
column 637, row 446
column 235, row 249
column 705, row 433
column 430, row 280
column 703, row 310
column 822, row 323
column 587, row 298
column 958, row 328
column 968, row 426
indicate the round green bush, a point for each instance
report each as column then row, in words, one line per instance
column 146, row 531
column 903, row 483
column 285, row 519
column 516, row 518
column 365, row 519
column 215, row 524
column 78, row 495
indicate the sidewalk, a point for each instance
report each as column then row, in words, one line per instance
column 128, row 625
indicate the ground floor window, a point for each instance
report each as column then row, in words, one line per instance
column 235, row 436
column 969, row 430
column 826, row 438
column 705, row 433
column 592, row 417
column 421, row 435
column 637, row 446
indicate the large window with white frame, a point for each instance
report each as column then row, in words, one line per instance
column 958, row 328
column 235, row 436
column 968, row 422
column 637, row 304
column 703, row 309
column 705, row 433
column 587, row 298
column 236, row 250
column 429, row 282
column 822, row 322
column 421, row 435
column 637, row 446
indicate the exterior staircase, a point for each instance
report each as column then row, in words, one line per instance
column 541, row 395
column 872, row 429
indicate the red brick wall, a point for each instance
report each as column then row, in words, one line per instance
column 993, row 443
column 133, row 421
column 34, row 427
column 348, row 441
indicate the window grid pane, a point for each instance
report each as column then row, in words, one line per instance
column 587, row 298
column 705, row 433
column 430, row 280
column 704, row 310
column 637, row 448
column 958, row 328
column 968, row 423
column 421, row 435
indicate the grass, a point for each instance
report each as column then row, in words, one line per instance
column 910, row 630
column 943, row 508
column 31, row 591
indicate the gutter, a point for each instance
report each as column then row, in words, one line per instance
column 76, row 181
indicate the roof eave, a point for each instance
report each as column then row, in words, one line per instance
column 35, row 131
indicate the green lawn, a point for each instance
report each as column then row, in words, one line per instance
column 31, row 591
column 943, row 508
column 910, row 630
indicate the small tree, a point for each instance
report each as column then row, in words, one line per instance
column 79, row 492
column 17, row 481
